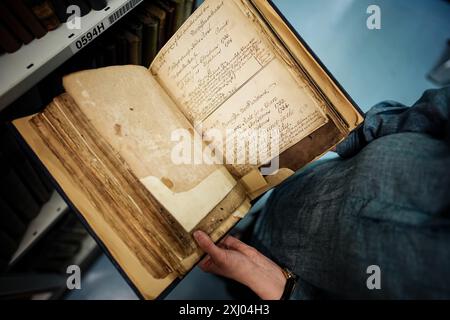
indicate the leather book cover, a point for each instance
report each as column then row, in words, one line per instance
column 122, row 49
column 170, row 15
column 150, row 34
column 130, row 197
column 14, row 191
column 161, row 15
column 9, row 20
column 134, row 27
column 7, row 41
column 60, row 7
column 84, row 6
column 44, row 11
column 134, row 48
column 27, row 17
column 98, row 5
column 110, row 57
column 188, row 8
column 16, row 227
column 15, row 158
column 179, row 6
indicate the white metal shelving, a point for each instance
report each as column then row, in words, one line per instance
column 47, row 217
column 21, row 70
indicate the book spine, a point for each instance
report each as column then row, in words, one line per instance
column 9, row 246
column 110, row 58
column 17, row 160
column 15, row 227
column 7, row 41
column 60, row 7
column 10, row 21
column 189, row 7
column 160, row 15
column 85, row 8
column 135, row 27
column 122, row 49
column 16, row 193
column 136, row 30
column 44, row 11
column 170, row 15
column 100, row 56
column 179, row 14
column 149, row 41
column 135, row 56
column 27, row 17
column 134, row 48
column 98, row 5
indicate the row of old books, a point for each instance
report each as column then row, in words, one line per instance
column 24, row 189
column 142, row 33
column 22, row 21
column 59, row 248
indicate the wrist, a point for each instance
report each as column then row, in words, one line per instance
column 268, row 285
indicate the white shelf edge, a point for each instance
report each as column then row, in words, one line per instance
column 46, row 218
column 49, row 52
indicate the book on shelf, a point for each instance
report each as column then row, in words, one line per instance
column 150, row 32
column 179, row 6
column 16, row 159
column 108, row 141
column 134, row 48
column 26, row 17
column 60, row 7
column 134, row 31
column 159, row 14
column 45, row 12
column 122, row 48
column 10, row 222
column 98, row 5
column 8, row 19
column 110, row 56
column 15, row 192
column 170, row 16
column 8, row 42
column 188, row 8
column 83, row 5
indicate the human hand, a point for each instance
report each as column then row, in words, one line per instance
column 233, row 259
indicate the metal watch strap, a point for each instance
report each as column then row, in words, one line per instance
column 291, row 281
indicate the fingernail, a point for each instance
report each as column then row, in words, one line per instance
column 198, row 235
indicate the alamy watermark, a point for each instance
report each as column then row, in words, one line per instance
column 255, row 147
column 373, row 22
column 374, row 280
column 74, row 19
column 73, row 281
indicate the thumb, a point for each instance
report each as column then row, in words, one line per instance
column 206, row 244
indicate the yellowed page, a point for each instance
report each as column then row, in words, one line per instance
column 137, row 118
column 223, row 71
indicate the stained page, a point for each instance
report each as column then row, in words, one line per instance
column 137, row 118
column 223, row 72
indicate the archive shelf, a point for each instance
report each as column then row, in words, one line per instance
column 47, row 217
column 21, row 70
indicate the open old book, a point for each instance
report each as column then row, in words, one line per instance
column 108, row 141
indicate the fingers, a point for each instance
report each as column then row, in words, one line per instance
column 234, row 243
column 206, row 244
column 205, row 263
column 208, row 265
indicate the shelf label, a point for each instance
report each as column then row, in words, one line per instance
column 87, row 37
